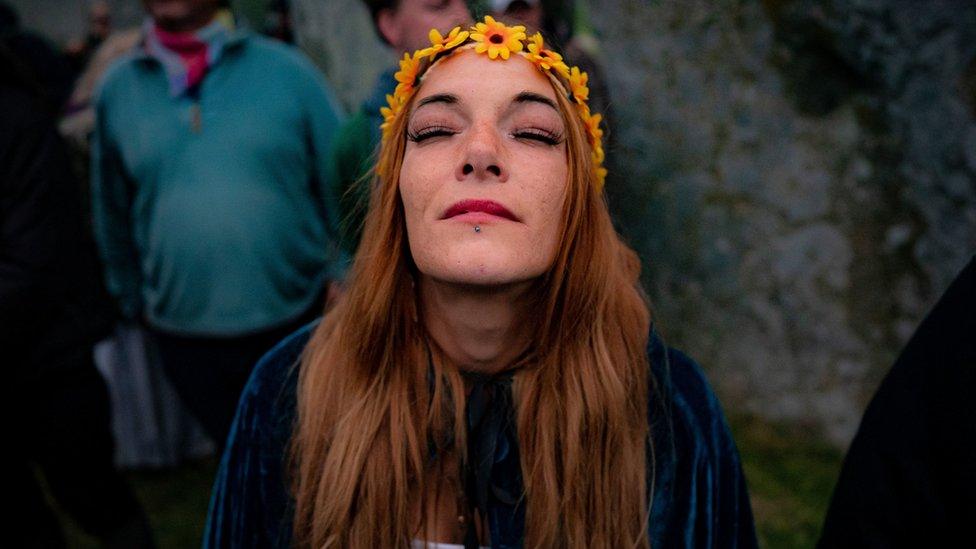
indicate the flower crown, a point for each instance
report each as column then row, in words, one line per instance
column 499, row 41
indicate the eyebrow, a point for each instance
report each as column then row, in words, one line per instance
column 445, row 98
column 522, row 98
column 532, row 97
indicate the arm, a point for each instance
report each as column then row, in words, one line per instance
column 112, row 193
column 36, row 215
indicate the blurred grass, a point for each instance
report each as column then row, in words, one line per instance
column 176, row 501
column 790, row 471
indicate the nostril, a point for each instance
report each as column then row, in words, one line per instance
column 467, row 169
column 495, row 170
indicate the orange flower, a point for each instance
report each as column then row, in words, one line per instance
column 390, row 113
column 545, row 59
column 593, row 127
column 407, row 75
column 498, row 39
column 598, row 155
column 577, row 85
column 440, row 43
column 600, row 175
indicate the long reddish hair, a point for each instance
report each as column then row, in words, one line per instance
column 368, row 410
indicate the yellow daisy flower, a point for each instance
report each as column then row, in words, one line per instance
column 389, row 113
column 545, row 59
column 593, row 127
column 598, row 155
column 498, row 39
column 407, row 75
column 577, row 85
column 600, row 174
column 440, row 43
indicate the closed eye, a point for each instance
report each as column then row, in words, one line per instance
column 430, row 132
column 537, row 134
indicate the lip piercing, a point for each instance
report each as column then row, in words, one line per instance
column 477, row 229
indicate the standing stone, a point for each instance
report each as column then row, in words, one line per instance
column 800, row 180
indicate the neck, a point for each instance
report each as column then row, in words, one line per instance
column 186, row 24
column 480, row 329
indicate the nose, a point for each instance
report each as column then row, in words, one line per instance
column 481, row 157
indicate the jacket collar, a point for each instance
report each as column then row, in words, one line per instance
column 149, row 52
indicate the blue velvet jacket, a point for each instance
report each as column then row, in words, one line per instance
column 699, row 491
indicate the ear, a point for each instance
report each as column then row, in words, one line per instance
column 386, row 22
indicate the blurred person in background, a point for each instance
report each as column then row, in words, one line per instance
column 36, row 57
column 211, row 196
column 151, row 425
column 99, row 28
column 403, row 25
column 909, row 476
column 278, row 24
column 52, row 311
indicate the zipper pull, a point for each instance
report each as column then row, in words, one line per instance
column 196, row 121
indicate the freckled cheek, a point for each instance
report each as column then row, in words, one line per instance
column 415, row 193
column 550, row 195
column 422, row 178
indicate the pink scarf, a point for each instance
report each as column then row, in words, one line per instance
column 192, row 51
column 187, row 56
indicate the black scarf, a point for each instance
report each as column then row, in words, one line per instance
column 490, row 415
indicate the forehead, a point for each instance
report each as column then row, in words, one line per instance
column 473, row 78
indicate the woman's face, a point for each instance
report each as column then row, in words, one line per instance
column 485, row 170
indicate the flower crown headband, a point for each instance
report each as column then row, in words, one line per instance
column 499, row 41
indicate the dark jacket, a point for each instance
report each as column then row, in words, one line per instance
column 699, row 499
column 51, row 297
column 910, row 474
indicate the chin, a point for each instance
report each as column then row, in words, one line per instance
column 481, row 263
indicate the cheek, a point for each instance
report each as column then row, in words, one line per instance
column 549, row 194
column 412, row 194
column 544, row 187
column 419, row 182
column 548, row 235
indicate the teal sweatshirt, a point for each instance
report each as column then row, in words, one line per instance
column 213, row 209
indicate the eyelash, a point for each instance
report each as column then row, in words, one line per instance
column 429, row 132
column 536, row 134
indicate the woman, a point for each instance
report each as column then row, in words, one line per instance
column 490, row 376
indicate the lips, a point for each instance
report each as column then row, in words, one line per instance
column 473, row 208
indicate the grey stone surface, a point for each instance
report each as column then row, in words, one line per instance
column 806, row 184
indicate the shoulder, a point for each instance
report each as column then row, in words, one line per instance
column 250, row 505
column 119, row 73
column 284, row 57
column 699, row 490
column 683, row 390
column 694, row 404
column 266, row 409
column 267, row 403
